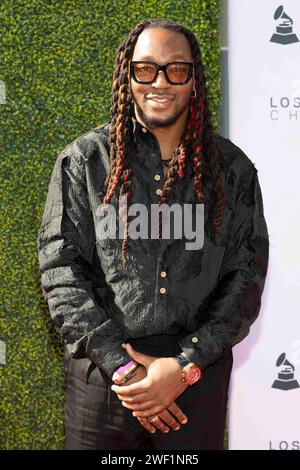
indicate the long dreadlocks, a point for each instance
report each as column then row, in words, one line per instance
column 196, row 140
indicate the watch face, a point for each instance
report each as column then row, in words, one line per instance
column 193, row 375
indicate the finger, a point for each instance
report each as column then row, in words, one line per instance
column 178, row 413
column 148, row 426
column 145, row 406
column 134, row 389
column 136, row 355
column 137, row 401
column 159, row 424
column 149, row 412
column 142, row 397
column 170, row 420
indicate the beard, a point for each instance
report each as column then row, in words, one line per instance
column 153, row 123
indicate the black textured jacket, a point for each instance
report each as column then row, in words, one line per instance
column 199, row 301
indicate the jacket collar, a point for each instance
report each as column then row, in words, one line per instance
column 139, row 135
column 137, row 128
column 136, row 124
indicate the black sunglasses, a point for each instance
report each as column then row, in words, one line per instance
column 176, row 73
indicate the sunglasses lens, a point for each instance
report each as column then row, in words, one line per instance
column 144, row 72
column 178, row 73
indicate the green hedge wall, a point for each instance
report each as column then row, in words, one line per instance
column 56, row 60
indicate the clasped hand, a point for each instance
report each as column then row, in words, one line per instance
column 153, row 390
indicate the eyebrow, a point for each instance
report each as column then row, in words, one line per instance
column 175, row 56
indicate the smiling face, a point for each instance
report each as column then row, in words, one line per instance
column 160, row 104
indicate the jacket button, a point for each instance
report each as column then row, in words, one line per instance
column 157, row 177
column 158, row 192
column 163, row 273
column 162, row 290
column 144, row 130
column 195, row 339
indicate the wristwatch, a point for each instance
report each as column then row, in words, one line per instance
column 191, row 373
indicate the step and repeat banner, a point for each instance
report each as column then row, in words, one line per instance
column 264, row 121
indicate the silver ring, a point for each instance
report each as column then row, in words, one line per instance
column 154, row 419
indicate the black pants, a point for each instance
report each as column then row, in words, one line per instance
column 96, row 419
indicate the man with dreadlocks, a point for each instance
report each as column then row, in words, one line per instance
column 146, row 317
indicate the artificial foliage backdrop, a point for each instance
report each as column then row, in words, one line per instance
column 56, row 62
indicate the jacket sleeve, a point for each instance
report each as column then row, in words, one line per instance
column 66, row 251
column 236, row 300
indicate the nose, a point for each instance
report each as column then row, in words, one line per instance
column 161, row 80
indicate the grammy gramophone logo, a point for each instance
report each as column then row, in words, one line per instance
column 284, row 29
column 285, row 380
